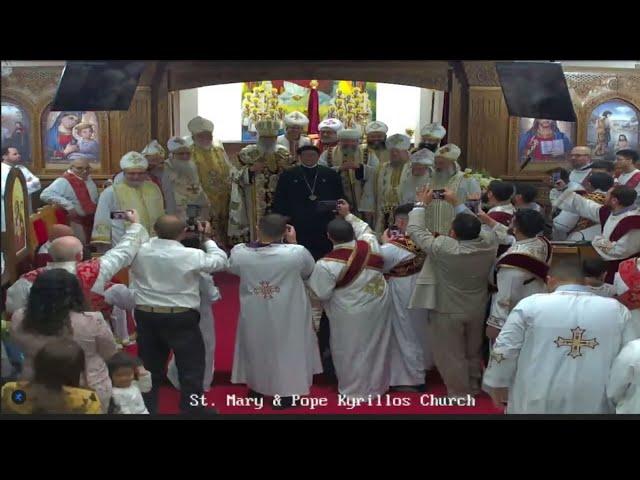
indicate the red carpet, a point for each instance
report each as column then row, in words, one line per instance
column 226, row 318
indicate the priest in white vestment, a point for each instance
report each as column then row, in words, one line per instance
column 416, row 177
column 358, row 173
column 409, row 348
column 620, row 220
column 136, row 192
column 276, row 350
column 555, row 351
column 390, row 175
column 626, row 161
column 77, row 193
column 295, row 123
column 431, row 135
column 355, row 296
column 155, row 155
column 328, row 129
column 580, row 159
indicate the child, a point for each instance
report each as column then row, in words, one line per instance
column 594, row 270
column 86, row 146
column 129, row 379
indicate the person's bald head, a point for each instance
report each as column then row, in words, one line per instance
column 60, row 230
column 66, row 249
column 170, row 227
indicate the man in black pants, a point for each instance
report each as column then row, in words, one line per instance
column 165, row 279
column 298, row 195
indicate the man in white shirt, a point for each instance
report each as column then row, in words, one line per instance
column 554, row 352
column 11, row 157
column 630, row 176
column 5, row 173
column 165, row 277
column 77, row 193
column 580, row 159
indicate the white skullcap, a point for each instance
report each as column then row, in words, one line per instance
column 296, row 119
column 330, row 124
column 154, row 148
column 177, row 143
column 433, row 130
column 133, row 160
column 376, row 126
column 198, row 125
column 449, row 151
column 423, row 156
column 398, row 141
column 349, row 134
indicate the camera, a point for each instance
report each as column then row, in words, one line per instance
column 473, row 205
column 438, row 194
column 119, row 215
column 394, row 231
column 193, row 212
column 325, row 206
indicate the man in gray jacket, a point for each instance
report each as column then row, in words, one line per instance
column 453, row 286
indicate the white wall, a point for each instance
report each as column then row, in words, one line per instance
column 188, row 109
column 222, row 104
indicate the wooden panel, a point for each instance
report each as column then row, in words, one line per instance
column 487, row 138
column 458, row 111
column 426, row 74
column 130, row 130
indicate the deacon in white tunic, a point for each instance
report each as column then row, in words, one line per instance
column 625, row 162
column 416, row 177
column 355, row 296
column 624, row 381
column 580, row 159
column 555, row 350
column 77, row 193
column 295, row 123
column 620, row 238
column 276, row 350
column 409, row 348
column 12, row 158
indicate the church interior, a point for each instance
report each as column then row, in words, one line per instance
column 467, row 98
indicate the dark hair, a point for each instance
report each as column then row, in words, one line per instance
column 340, row 230
column 169, row 227
column 5, row 150
column 503, row 191
column 603, row 165
column 122, row 359
column 567, row 268
column 527, row 191
column 273, row 225
column 628, row 154
column 59, row 363
column 606, row 113
column 466, row 227
column 626, row 196
column 192, row 241
column 403, row 209
column 304, row 148
column 623, row 135
column 601, row 181
column 529, row 222
column 593, row 267
column 564, row 175
column 536, row 124
column 53, row 296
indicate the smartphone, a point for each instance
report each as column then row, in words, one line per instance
column 327, row 205
column 193, row 210
column 438, row 194
column 473, row 205
column 555, row 177
column 119, row 215
column 394, row 231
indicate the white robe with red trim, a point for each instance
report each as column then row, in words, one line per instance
column 359, row 320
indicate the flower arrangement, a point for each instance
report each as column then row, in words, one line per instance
column 482, row 177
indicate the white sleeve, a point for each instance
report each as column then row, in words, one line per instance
column 120, row 296
column 144, row 382
column 627, row 246
column 121, row 255
column 510, row 282
column 504, row 356
column 322, row 281
column 622, row 372
column 308, row 263
column 17, row 295
column 574, row 203
column 392, row 256
column 361, row 229
column 33, row 182
column 54, row 193
column 102, row 221
column 214, row 260
column 208, row 289
column 563, row 223
column 233, row 266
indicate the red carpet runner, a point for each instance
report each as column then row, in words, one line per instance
column 223, row 391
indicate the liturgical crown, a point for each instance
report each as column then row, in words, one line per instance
column 268, row 127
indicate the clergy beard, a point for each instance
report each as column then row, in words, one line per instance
column 184, row 169
column 266, row 148
column 203, row 145
column 416, row 181
column 429, row 146
column 441, row 177
column 379, row 145
column 349, row 150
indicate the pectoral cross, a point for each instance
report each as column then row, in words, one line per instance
column 576, row 342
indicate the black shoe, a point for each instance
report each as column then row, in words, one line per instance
column 285, row 402
column 409, row 388
column 200, row 411
column 254, row 394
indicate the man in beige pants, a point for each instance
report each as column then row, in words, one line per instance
column 453, row 286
